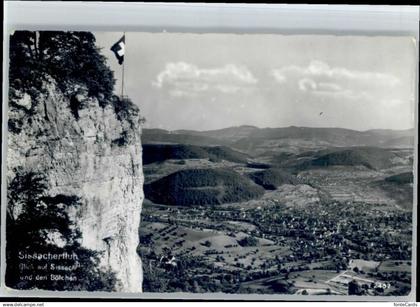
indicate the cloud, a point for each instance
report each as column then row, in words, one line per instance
column 322, row 79
column 307, row 84
column 278, row 76
column 322, row 69
column 184, row 79
column 329, row 87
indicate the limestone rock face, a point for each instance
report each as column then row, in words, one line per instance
column 95, row 155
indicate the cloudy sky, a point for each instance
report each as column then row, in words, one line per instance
column 212, row 81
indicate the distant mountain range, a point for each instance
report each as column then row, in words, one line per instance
column 246, row 137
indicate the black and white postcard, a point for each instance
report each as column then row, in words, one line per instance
column 240, row 164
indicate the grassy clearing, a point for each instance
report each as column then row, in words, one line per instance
column 365, row 265
column 395, row 266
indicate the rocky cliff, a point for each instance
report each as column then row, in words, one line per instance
column 92, row 151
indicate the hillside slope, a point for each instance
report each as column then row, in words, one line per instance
column 270, row 179
column 195, row 187
column 370, row 157
column 161, row 152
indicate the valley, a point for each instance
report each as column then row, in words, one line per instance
column 314, row 212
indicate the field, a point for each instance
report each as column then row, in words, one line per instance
column 395, row 266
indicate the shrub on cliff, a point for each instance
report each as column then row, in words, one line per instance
column 74, row 63
column 68, row 57
column 37, row 224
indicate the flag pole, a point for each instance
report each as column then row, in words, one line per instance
column 122, row 82
column 122, row 78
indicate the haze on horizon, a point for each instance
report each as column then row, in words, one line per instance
column 214, row 81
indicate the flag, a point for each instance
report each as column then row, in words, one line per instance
column 119, row 48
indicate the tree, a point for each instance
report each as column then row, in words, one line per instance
column 354, row 288
column 43, row 227
column 280, row 286
column 206, row 243
column 66, row 56
column 248, row 241
column 24, row 66
column 70, row 58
